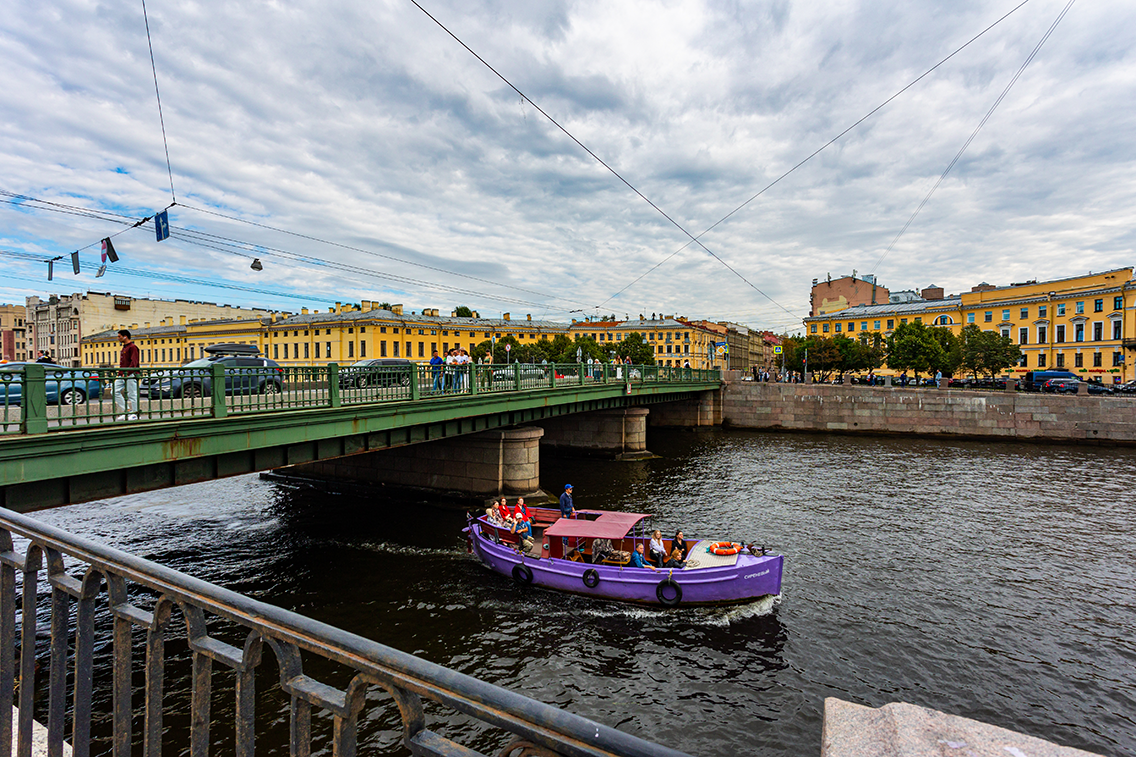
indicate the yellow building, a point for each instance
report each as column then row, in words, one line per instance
column 1086, row 324
column 675, row 341
column 342, row 335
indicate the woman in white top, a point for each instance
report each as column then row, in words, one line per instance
column 658, row 553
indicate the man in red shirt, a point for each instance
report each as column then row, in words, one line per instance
column 126, row 385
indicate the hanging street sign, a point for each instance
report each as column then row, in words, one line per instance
column 162, row 225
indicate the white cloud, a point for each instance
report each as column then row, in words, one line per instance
column 365, row 124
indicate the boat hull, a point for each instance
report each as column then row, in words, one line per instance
column 750, row 578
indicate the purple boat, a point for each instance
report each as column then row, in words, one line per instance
column 711, row 575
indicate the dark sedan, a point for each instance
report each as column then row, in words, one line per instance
column 1062, row 386
column 243, row 375
column 384, row 372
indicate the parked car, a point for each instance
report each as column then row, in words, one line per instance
column 1062, row 385
column 245, row 373
column 65, row 386
column 384, row 372
column 1128, row 387
column 1034, row 381
column 1097, row 387
column 529, row 373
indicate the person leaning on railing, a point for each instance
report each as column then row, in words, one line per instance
column 126, row 383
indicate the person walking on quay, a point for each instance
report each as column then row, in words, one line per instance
column 436, row 364
column 126, row 385
column 938, row 379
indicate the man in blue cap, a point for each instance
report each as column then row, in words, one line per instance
column 567, row 510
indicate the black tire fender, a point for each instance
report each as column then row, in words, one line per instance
column 522, row 575
column 661, row 592
column 591, row 578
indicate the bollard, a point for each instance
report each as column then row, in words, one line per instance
column 33, row 405
column 333, row 384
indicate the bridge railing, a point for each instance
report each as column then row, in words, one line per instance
column 95, row 599
column 35, row 398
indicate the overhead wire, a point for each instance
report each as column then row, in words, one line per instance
column 816, row 152
column 974, row 133
column 598, row 159
column 161, row 118
column 231, row 245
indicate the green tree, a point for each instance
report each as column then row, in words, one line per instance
column 853, row 355
column 461, row 311
column 913, row 347
column 634, row 346
column 987, row 352
column 875, row 349
column 952, row 351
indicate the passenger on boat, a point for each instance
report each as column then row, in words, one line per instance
column 503, row 512
column 637, row 559
column 567, row 510
column 675, row 560
column 493, row 517
column 522, row 521
column 679, row 542
column 658, row 552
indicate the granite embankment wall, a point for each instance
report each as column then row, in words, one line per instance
column 951, row 412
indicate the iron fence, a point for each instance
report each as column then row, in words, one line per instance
column 36, row 398
column 88, row 583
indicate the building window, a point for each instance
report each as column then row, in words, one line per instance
column 327, row 346
column 422, row 349
column 1005, row 315
column 891, row 324
column 1116, row 329
column 988, row 316
column 1060, row 359
column 851, row 325
column 1096, row 359
column 1006, row 332
column 1023, row 336
column 970, row 317
column 1081, row 307
column 1116, row 359
column 1025, row 313
column 1042, row 335
column 296, row 351
column 1098, row 331
column 1117, row 303
column 837, row 327
column 1061, row 308
column 395, row 345
column 1042, row 310
column 362, row 348
column 382, row 349
column 318, row 350
column 1078, row 360
column 1041, row 360
column 1098, row 306
column 351, row 349
column 824, row 328
column 1061, row 333
column 918, row 319
column 876, row 325
column 307, row 347
column 903, row 320
column 1079, row 332
column 813, row 329
column 864, row 325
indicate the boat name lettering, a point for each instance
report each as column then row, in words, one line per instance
column 756, row 575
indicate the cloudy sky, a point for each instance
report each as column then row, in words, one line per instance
column 398, row 167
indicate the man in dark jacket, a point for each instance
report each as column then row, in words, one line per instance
column 126, row 385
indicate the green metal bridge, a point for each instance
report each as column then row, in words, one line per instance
column 64, row 440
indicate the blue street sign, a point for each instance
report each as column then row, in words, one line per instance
column 162, row 225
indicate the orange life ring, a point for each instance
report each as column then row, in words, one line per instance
column 724, row 548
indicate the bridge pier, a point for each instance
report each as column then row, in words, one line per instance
column 481, row 465
column 621, row 433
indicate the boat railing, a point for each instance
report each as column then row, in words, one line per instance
column 99, row 597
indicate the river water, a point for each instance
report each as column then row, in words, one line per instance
column 992, row 581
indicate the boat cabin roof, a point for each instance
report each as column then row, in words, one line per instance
column 607, row 526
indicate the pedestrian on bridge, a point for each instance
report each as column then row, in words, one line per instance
column 126, row 384
column 436, row 365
